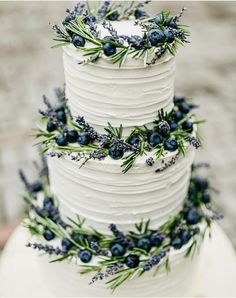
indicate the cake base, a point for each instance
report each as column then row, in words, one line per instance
column 20, row 273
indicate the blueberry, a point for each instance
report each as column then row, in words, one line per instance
column 78, row 41
column 170, row 144
column 83, row 138
column 178, row 99
column 192, row 217
column 176, row 243
column 90, row 18
column 51, row 126
column 173, row 126
column 138, row 13
column 132, row 261
column 117, row 250
column 177, row 116
column 61, row 140
column 170, row 37
column 184, row 108
column 157, row 20
column 36, row 186
column 134, row 140
column 144, row 243
column 85, row 256
column 201, row 183
column 155, row 139
column 172, row 24
column 108, row 38
column 115, row 152
column 156, row 36
column 66, row 244
column 156, row 238
column 72, row 136
column 60, row 108
column 187, row 125
column 61, row 116
column 48, row 203
column 206, row 198
column 109, row 49
column 67, row 20
column 185, row 236
column 48, row 235
column 113, row 16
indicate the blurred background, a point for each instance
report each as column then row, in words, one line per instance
column 206, row 72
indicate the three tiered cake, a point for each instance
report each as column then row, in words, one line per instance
column 120, row 200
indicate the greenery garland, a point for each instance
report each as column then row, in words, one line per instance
column 119, row 256
column 61, row 135
column 161, row 33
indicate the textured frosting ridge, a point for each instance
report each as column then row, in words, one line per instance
column 101, row 194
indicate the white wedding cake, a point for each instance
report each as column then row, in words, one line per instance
column 125, row 207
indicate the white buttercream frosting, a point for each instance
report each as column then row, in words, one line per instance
column 131, row 95
column 102, row 194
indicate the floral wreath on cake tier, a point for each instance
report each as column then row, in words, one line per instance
column 118, row 256
column 160, row 34
column 61, row 135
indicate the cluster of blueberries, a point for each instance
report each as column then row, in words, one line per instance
column 154, row 36
column 199, row 188
column 159, row 135
column 70, row 136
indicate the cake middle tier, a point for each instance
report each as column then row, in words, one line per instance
column 101, row 194
column 132, row 94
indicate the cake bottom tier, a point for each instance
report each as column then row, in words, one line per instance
column 64, row 279
column 215, row 275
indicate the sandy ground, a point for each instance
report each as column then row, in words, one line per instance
column 206, row 72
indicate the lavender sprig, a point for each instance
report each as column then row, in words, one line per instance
column 156, row 259
column 109, row 271
column 49, row 249
column 87, row 128
column 194, row 142
column 103, row 9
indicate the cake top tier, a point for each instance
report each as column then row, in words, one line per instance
column 114, row 31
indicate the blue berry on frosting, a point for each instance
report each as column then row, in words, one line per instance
column 155, row 139
column 192, row 217
column 156, row 238
column 78, row 41
column 51, row 126
column 170, row 144
column 48, row 235
column 156, row 36
column 72, row 136
column 61, row 140
column 115, row 152
column 187, row 125
column 83, row 138
column 144, row 243
column 134, row 140
column 85, row 256
column 132, row 261
column 109, row 49
column 117, row 250
column 176, row 243
column 66, row 244
column 170, row 37
column 113, row 16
